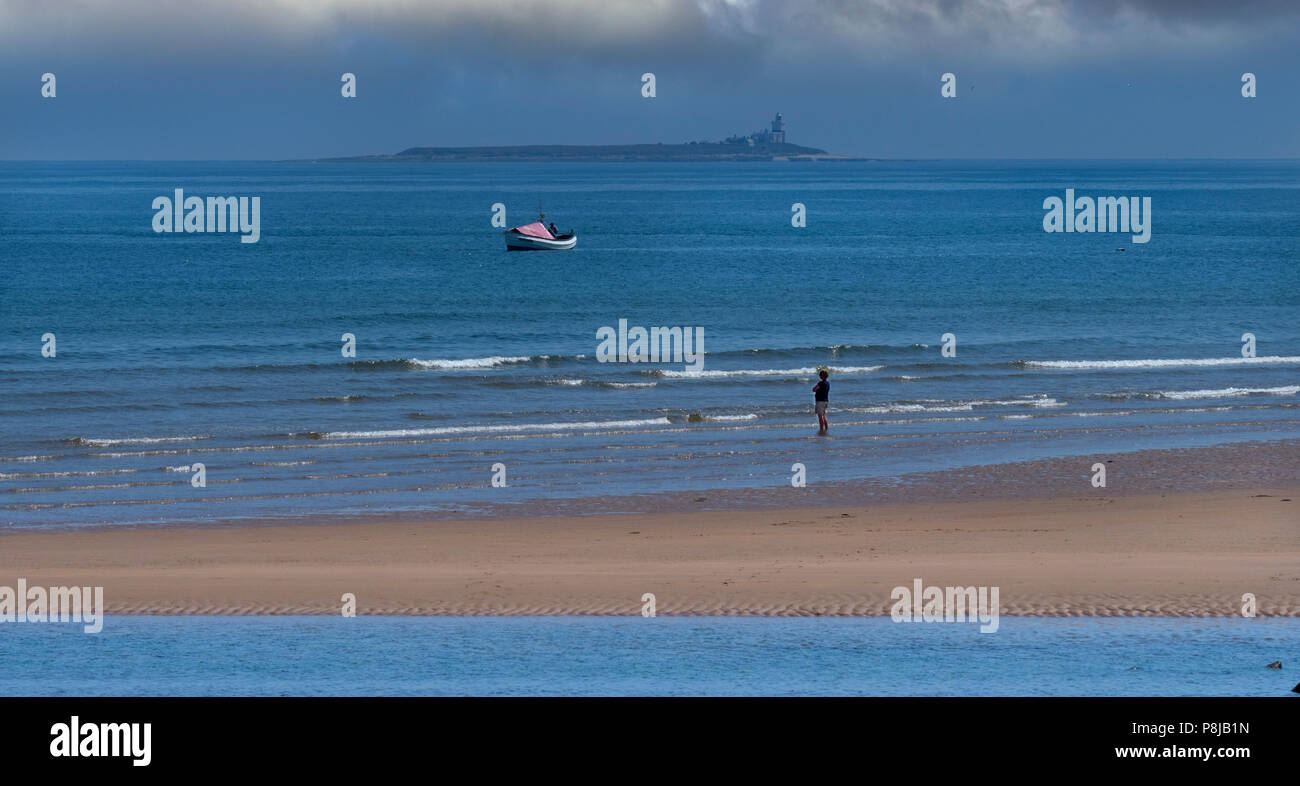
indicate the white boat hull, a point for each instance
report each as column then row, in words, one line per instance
column 519, row 242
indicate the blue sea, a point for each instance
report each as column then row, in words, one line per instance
column 665, row 656
column 173, row 350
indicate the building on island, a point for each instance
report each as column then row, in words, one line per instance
column 767, row 136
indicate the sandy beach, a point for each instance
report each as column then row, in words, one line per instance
column 1184, row 554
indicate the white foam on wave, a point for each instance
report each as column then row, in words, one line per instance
column 917, row 420
column 1179, row 395
column 762, row 372
column 104, row 443
column 631, row 385
column 1160, row 362
column 79, row 473
column 426, row 432
column 939, row 405
column 1045, row 402
column 750, row 416
column 470, row 363
column 900, row 408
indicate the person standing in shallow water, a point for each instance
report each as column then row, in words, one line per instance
column 822, row 395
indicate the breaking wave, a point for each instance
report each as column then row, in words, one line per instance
column 471, row 363
column 104, row 443
column 1179, row 395
column 425, row 432
column 758, row 372
column 1156, row 363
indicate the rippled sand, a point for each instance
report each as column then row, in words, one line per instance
column 1075, row 551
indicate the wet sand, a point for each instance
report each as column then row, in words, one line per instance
column 1191, row 553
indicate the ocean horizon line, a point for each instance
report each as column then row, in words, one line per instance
column 846, row 158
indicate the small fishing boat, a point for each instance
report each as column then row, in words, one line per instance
column 536, row 237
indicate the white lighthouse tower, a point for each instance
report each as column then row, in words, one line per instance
column 778, row 128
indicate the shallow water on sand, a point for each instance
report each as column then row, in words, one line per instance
column 681, row 656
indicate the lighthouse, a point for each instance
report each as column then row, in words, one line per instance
column 778, row 129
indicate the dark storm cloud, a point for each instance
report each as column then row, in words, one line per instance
column 1195, row 11
column 260, row 78
column 688, row 31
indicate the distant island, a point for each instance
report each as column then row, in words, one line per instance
column 766, row 145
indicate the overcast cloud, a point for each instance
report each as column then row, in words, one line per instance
column 241, row 79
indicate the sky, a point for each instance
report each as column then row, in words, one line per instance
column 261, row 79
